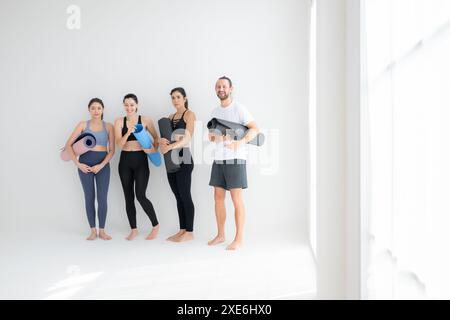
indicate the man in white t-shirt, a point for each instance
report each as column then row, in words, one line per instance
column 229, row 168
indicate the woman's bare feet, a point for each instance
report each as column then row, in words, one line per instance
column 103, row 235
column 234, row 245
column 132, row 235
column 176, row 236
column 217, row 240
column 186, row 236
column 153, row 234
column 93, row 235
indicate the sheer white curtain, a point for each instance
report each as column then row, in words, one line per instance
column 406, row 133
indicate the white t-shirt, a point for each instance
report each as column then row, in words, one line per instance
column 238, row 113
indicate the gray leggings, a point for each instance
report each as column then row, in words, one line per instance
column 91, row 158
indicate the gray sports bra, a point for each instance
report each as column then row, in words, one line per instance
column 101, row 137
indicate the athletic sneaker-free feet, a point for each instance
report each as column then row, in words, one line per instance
column 234, row 245
column 187, row 236
column 132, row 235
column 217, row 240
column 92, row 236
column 153, row 234
column 176, row 236
column 104, row 236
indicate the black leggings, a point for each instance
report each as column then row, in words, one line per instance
column 180, row 183
column 134, row 174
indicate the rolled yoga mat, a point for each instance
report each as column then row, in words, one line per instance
column 83, row 143
column 165, row 129
column 238, row 131
column 146, row 141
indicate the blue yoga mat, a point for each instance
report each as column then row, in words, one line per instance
column 146, row 141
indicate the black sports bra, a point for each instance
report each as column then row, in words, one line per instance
column 125, row 129
column 178, row 123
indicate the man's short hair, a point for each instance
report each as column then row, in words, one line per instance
column 226, row 78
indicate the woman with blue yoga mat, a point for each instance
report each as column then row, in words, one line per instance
column 180, row 181
column 94, row 165
column 134, row 171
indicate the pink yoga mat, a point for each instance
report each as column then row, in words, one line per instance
column 84, row 143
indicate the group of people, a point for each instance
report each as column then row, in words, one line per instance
column 228, row 170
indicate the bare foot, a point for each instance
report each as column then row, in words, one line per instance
column 104, row 236
column 132, row 235
column 234, row 245
column 93, row 235
column 186, row 236
column 153, row 234
column 217, row 240
column 176, row 236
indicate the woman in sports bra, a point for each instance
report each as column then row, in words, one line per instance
column 180, row 182
column 134, row 171
column 94, row 165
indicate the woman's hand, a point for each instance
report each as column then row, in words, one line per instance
column 130, row 126
column 95, row 169
column 164, row 145
column 84, row 167
column 165, row 148
column 164, row 141
column 151, row 150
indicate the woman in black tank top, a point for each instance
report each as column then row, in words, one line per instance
column 131, row 137
column 134, row 171
column 180, row 182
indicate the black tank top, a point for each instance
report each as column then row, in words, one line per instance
column 181, row 124
column 125, row 129
column 178, row 123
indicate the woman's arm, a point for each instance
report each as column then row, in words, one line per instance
column 150, row 127
column 75, row 133
column 111, row 145
column 185, row 139
column 120, row 141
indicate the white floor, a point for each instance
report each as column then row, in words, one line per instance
column 65, row 266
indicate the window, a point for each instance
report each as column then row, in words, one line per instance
column 407, row 138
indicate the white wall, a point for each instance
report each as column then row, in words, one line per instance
column 49, row 73
column 353, row 220
column 331, row 180
column 339, row 270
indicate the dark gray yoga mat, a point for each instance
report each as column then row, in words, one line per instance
column 236, row 130
column 165, row 129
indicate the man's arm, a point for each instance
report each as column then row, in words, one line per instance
column 249, row 136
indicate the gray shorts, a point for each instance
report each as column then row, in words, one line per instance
column 229, row 174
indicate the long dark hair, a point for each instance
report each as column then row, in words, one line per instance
column 98, row 100
column 183, row 93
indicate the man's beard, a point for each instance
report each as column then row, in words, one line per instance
column 224, row 98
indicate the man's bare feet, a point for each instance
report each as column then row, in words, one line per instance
column 93, row 235
column 234, row 245
column 153, row 234
column 186, row 236
column 217, row 240
column 132, row 235
column 103, row 235
column 176, row 236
